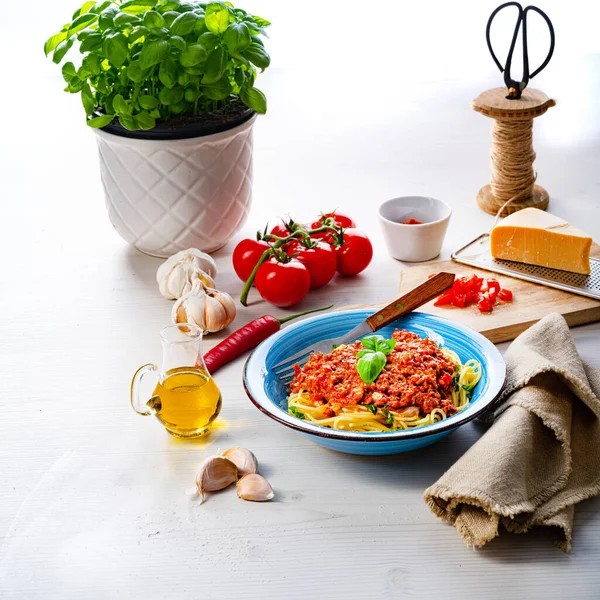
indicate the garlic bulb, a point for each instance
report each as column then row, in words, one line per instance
column 177, row 275
column 209, row 309
column 243, row 459
column 215, row 473
column 255, row 488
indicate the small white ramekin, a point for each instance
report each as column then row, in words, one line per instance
column 414, row 243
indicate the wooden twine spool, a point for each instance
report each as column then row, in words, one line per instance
column 512, row 186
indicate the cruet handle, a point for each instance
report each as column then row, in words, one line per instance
column 140, row 405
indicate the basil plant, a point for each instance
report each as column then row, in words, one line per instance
column 149, row 60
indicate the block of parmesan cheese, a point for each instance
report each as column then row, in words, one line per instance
column 538, row 238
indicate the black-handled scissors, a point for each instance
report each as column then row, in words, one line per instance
column 515, row 88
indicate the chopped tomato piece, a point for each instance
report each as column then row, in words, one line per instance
column 485, row 303
column 469, row 290
column 445, row 380
column 445, row 299
column 493, row 288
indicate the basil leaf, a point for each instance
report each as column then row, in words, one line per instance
column 297, row 413
column 91, row 42
column 256, row 54
column 148, row 102
column 254, row 99
column 363, row 352
column 184, row 24
column 216, row 17
column 167, row 73
column 370, row 366
column 171, row 96
column 386, row 346
column 87, row 99
column 105, row 20
column 208, row 40
column 135, row 71
column 154, row 19
column 121, row 106
column 54, row 41
column 102, row 121
column 372, row 408
column 68, row 71
column 193, row 55
column 177, row 42
column 370, row 341
column 214, row 67
column 123, row 20
column 128, row 122
column 115, row 48
column 135, row 7
column 81, row 23
column 219, row 90
column 62, row 49
column 153, row 52
column 237, row 37
column 145, row 120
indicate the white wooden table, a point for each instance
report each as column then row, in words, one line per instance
column 366, row 102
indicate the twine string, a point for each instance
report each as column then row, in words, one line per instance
column 513, row 175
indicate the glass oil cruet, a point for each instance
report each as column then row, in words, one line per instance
column 186, row 399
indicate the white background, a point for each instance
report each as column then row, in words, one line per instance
column 367, row 101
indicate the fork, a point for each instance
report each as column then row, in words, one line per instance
column 420, row 295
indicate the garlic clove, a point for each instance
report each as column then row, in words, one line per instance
column 176, row 275
column 220, row 310
column 215, row 473
column 243, row 459
column 191, row 308
column 214, row 314
column 255, row 488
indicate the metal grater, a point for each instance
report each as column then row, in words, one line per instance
column 477, row 254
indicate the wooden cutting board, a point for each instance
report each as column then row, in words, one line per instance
column 530, row 302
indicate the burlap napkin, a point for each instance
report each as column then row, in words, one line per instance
column 541, row 456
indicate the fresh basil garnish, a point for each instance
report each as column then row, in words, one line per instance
column 372, row 359
column 297, row 413
column 372, row 408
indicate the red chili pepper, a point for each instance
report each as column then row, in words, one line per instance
column 246, row 338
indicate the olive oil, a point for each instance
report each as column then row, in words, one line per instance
column 186, row 401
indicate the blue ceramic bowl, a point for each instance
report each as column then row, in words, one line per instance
column 268, row 393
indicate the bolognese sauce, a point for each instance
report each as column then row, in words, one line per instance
column 417, row 373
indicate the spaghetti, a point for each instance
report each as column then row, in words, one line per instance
column 420, row 384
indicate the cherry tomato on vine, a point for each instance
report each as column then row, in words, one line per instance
column 355, row 254
column 246, row 255
column 280, row 230
column 339, row 217
column 282, row 283
column 321, row 262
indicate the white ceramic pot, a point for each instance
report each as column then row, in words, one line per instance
column 164, row 196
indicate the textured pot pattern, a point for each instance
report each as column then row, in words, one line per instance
column 164, row 196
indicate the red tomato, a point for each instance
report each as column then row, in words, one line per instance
column 485, row 302
column 445, row 299
column 282, row 284
column 355, row 254
column 339, row 217
column 280, row 230
column 459, row 292
column 320, row 261
column 493, row 288
column 445, row 380
column 246, row 255
column 505, row 295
